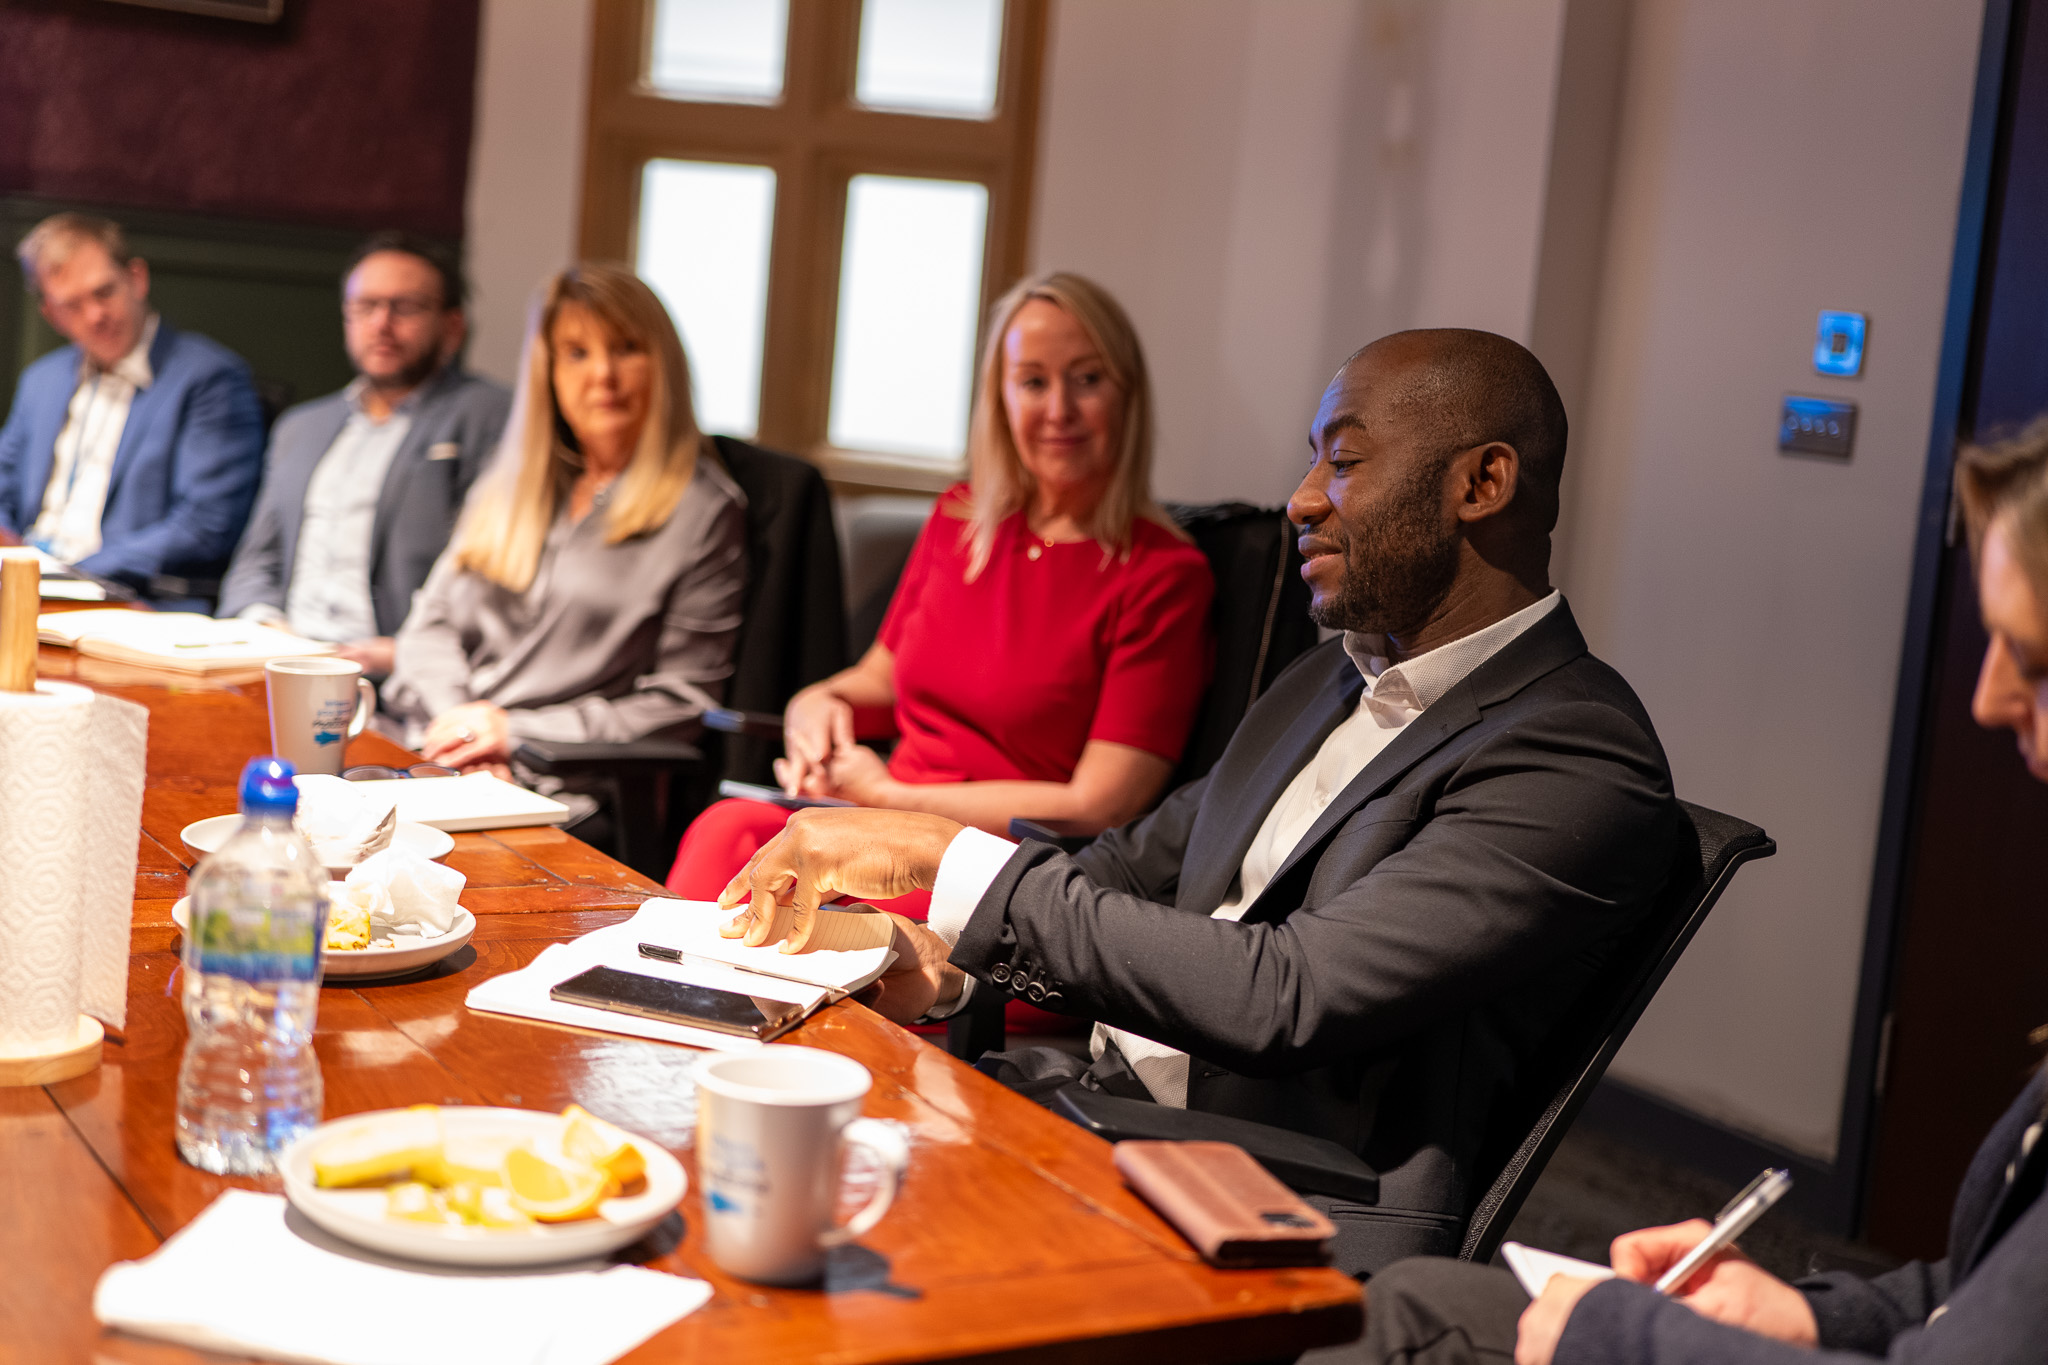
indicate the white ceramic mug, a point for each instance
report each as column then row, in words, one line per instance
column 316, row 707
column 769, row 1128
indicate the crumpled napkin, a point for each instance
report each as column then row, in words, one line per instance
column 248, row 1277
column 417, row 893
column 344, row 823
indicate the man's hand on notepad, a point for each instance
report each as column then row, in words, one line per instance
column 1731, row 1288
column 824, row 854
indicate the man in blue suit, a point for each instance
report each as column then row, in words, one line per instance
column 134, row 452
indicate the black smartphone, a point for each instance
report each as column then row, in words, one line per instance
column 679, row 1002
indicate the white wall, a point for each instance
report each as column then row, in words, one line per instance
column 1269, row 184
column 526, row 165
column 1777, row 157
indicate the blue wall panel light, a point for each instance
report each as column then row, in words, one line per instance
column 1838, row 344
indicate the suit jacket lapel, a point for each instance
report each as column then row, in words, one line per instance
column 34, row 478
column 1549, row 644
column 411, row 453
column 140, row 409
column 2014, row 1198
column 1212, row 874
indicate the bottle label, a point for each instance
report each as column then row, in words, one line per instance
column 252, row 944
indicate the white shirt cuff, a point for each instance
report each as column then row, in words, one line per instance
column 970, row 863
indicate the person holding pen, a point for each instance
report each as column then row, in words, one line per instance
column 1986, row 1303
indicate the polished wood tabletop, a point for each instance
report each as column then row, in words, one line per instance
column 1013, row 1237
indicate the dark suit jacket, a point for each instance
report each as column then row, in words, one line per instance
column 455, row 428
column 1389, row 985
column 184, row 473
column 1992, row 1288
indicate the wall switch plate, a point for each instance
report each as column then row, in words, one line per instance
column 1838, row 344
column 1817, row 426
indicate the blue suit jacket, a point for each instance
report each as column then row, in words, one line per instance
column 184, row 474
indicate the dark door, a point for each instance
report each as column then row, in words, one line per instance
column 1971, row 973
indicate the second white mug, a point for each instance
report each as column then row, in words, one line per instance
column 769, row 1128
column 317, row 706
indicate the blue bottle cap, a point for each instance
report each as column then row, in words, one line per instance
column 268, row 789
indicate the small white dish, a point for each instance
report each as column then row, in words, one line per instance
column 204, row 836
column 407, row 953
column 357, row 1215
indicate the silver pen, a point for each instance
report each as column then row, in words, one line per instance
column 677, row 955
column 1733, row 1220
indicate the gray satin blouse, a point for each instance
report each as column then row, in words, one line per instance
column 611, row 642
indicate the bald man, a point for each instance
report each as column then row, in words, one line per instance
column 1422, row 843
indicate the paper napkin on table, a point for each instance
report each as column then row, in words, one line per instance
column 690, row 927
column 244, row 1278
column 1534, row 1268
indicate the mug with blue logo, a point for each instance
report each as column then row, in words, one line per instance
column 772, row 1125
column 317, row 706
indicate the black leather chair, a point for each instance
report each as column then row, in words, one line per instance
column 792, row 633
column 1536, row 1119
column 1260, row 620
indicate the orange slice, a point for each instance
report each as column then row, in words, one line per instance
column 552, row 1192
column 590, row 1140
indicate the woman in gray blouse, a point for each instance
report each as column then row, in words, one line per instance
column 592, row 588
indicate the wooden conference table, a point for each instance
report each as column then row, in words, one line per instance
column 1013, row 1237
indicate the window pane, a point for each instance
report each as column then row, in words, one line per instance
column 718, row 49
column 909, row 298
column 930, row 56
column 705, row 229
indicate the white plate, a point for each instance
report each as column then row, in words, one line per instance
column 358, row 1215
column 204, row 836
column 408, row 952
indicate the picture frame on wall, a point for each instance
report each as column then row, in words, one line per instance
column 251, row 11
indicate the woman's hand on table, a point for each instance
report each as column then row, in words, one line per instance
column 816, row 724
column 473, row 736
column 1730, row 1288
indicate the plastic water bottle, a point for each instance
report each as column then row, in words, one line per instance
column 250, row 1082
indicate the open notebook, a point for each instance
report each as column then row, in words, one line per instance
column 179, row 640
column 691, row 927
column 1534, row 1268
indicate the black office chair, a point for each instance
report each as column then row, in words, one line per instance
column 792, row 633
column 1529, row 1126
column 1260, row 621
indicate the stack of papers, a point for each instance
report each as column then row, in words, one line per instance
column 691, row 928
column 62, row 583
column 472, row 801
column 179, row 640
column 247, row 1277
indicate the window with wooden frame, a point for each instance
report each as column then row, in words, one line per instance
column 828, row 194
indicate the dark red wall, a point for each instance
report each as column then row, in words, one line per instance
column 347, row 113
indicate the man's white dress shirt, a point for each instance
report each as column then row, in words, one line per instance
column 328, row 597
column 68, row 527
column 1395, row 694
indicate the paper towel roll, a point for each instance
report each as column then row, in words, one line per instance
column 71, row 777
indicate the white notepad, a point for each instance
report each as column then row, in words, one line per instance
column 185, row 641
column 1534, row 1268
column 692, row 928
column 472, row 801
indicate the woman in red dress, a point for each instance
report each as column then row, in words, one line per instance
column 1049, row 641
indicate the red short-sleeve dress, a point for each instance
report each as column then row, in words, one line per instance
column 1008, row 677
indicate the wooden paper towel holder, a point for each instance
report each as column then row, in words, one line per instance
column 20, row 599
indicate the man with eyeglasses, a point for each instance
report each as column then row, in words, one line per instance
column 362, row 487
column 135, row 451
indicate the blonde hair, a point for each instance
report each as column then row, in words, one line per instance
column 999, row 484
column 2009, row 478
column 51, row 242
column 508, row 516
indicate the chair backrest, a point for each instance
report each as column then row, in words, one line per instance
column 1260, row 616
column 1713, row 846
column 793, row 629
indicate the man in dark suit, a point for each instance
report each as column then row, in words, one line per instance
column 362, row 487
column 1418, row 848
column 133, row 452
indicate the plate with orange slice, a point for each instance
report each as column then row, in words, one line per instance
column 475, row 1186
